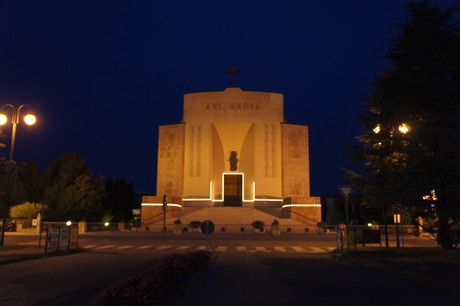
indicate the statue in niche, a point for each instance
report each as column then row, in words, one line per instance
column 233, row 161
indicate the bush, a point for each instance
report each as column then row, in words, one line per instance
column 26, row 211
column 258, row 224
column 194, row 224
column 157, row 286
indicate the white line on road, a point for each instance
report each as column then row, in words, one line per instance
column 125, row 247
column 299, row 249
column 90, row 246
column 317, row 250
column 164, row 247
column 261, row 249
column 103, row 247
column 145, row 247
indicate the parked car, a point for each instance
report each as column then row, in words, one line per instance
column 10, row 227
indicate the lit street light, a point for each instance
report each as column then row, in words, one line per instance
column 29, row 119
column 403, row 128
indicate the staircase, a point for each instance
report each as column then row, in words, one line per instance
column 235, row 219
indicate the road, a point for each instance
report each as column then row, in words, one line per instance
column 107, row 257
column 308, row 279
column 299, row 267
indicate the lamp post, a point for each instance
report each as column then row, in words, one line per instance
column 403, row 128
column 165, row 205
column 29, row 119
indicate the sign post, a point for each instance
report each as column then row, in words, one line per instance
column 397, row 221
column 136, row 214
column 165, row 205
column 345, row 190
column 207, row 227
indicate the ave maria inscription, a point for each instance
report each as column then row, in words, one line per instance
column 233, row 106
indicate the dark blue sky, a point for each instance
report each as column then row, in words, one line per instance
column 102, row 76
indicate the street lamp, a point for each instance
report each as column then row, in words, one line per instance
column 29, row 119
column 403, row 128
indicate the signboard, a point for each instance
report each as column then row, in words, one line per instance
column 57, row 238
column 64, row 237
column 136, row 212
column 345, row 190
column 207, row 227
column 52, row 238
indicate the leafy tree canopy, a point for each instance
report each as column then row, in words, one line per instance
column 411, row 142
column 119, row 199
column 71, row 190
column 26, row 210
column 19, row 182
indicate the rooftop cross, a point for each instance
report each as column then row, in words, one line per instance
column 233, row 71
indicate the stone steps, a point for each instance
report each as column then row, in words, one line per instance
column 239, row 216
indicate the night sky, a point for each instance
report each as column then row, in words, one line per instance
column 102, row 76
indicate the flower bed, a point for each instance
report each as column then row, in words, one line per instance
column 158, row 285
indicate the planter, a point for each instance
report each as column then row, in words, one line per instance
column 276, row 230
column 259, row 230
column 177, row 230
column 258, row 226
column 195, row 230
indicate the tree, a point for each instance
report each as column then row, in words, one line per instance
column 19, row 182
column 26, row 210
column 71, row 191
column 418, row 95
column 119, row 199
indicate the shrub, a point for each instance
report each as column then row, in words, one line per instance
column 158, row 285
column 258, row 224
column 194, row 224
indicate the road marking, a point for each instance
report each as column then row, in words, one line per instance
column 261, row 249
column 221, row 248
column 89, row 246
column 317, row 250
column 125, row 247
column 103, row 247
column 164, row 247
column 145, row 247
column 299, row 249
column 28, row 243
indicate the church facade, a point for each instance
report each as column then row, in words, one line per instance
column 233, row 148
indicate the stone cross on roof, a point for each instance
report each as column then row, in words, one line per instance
column 233, row 71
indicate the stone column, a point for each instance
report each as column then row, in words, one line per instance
column 39, row 223
column 121, row 226
column 82, row 227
